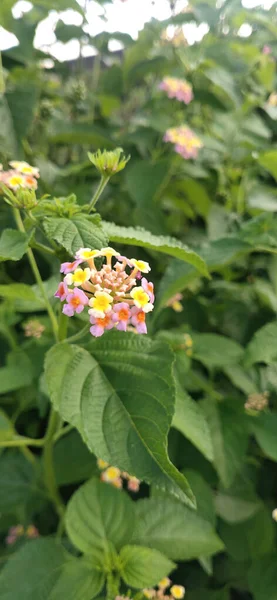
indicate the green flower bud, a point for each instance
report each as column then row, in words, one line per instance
column 21, row 198
column 108, row 163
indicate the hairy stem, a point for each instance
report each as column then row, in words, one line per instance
column 37, row 276
column 103, row 182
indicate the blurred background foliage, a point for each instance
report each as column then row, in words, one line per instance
column 222, row 204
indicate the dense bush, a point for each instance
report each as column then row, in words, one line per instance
column 184, row 418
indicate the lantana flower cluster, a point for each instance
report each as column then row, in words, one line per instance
column 176, row 592
column 186, row 142
column 116, row 296
column 177, row 88
column 21, row 175
column 115, row 477
column 33, row 328
column 18, row 531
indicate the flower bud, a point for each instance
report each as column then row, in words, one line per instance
column 21, row 198
column 108, row 163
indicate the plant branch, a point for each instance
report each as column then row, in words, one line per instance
column 37, row 276
column 18, row 443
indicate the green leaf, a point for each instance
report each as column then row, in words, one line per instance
column 264, row 428
column 204, row 496
column 98, row 514
column 120, row 383
column 143, row 567
column 229, row 437
column 239, row 502
column 77, row 232
column 6, row 426
column 262, row 578
column 79, row 580
column 268, row 160
column 17, row 481
column 13, row 244
column 145, row 239
column 17, row 580
column 262, row 347
column 17, row 374
column 19, row 291
column 216, row 254
column 144, row 182
column 216, row 351
column 249, row 539
column 73, row 461
column 173, row 529
column 191, row 422
column 240, row 378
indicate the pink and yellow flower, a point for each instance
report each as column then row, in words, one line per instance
column 68, row 267
column 78, row 277
column 110, row 291
column 76, row 302
column 186, row 142
column 138, row 319
column 177, row 88
column 62, row 291
column 100, row 325
column 148, row 288
column 121, row 315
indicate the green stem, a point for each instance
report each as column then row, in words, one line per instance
column 64, row 431
column 37, row 276
column 49, row 472
column 79, row 335
column 42, row 247
column 53, row 426
column 103, row 182
column 21, row 443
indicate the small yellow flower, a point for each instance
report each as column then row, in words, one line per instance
column 100, row 304
column 102, row 464
column 16, row 181
column 274, row 514
column 108, row 252
column 150, row 593
column 188, row 340
column 87, row 253
column 25, row 168
column 164, row 583
column 141, row 265
column 177, row 306
column 78, row 277
column 141, row 299
column 112, row 474
column 178, row 591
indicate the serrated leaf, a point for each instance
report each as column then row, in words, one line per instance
column 143, row 567
column 127, row 381
column 160, row 243
column 13, row 244
column 77, row 232
column 173, row 529
column 98, row 514
column 191, row 422
column 262, row 347
column 18, row 580
column 79, row 580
